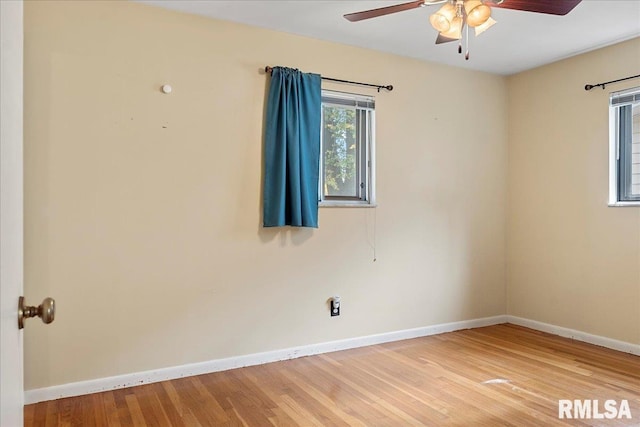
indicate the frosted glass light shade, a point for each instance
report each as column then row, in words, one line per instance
column 455, row 30
column 477, row 12
column 441, row 20
column 484, row 27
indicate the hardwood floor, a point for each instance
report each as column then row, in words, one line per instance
column 502, row 375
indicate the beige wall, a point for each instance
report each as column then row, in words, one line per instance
column 143, row 209
column 572, row 261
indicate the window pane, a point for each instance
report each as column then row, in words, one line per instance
column 635, row 151
column 340, row 149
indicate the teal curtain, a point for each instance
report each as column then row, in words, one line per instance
column 292, row 149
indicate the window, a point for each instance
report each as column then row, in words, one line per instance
column 624, row 149
column 347, row 167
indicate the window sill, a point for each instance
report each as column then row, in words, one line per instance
column 346, row 205
column 624, row 204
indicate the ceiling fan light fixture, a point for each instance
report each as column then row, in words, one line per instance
column 455, row 30
column 442, row 19
column 452, row 17
column 477, row 12
column 484, row 27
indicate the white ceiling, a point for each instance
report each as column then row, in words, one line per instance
column 520, row 40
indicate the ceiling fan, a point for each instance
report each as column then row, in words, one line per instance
column 456, row 15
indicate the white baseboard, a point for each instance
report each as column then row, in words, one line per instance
column 626, row 347
column 147, row 377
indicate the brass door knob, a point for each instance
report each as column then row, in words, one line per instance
column 46, row 311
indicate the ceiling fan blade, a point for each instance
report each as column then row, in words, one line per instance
column 374, row 13
column 551, row 7
column 442, row 39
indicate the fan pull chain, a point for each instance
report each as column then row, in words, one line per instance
column 460, row 14
column 466, row 55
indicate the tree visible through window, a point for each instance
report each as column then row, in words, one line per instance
column 339, row 151
column 346, row 173
column 624, row 183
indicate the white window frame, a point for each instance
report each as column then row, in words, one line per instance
column 369, row 199
column 616, row 155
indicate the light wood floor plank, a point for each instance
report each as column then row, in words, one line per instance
column 110, row 409
column 503, row 375
column 134, row 408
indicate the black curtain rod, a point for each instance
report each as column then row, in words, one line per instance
column 268, row 69
column 589, row 87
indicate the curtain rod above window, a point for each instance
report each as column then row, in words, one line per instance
column 589, row 87
column 268, row 70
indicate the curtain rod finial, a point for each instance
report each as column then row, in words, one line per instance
column 588, row 87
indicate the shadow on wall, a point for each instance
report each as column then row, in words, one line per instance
column 296, row 235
